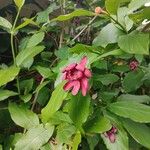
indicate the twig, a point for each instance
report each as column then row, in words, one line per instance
column 84, row 29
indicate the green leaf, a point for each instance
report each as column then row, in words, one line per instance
column 5, row 24
column 79, row 109
column 22, row 116
column 134, row 43
column 26, row 98
column 26, row 54
column 98, row 124
column 92, row 141
column 35, row 39
column 133, row 110
column 25, row 23
column 64, row 132
column 8, row 74
column 54, row 103
column 108, row 35
column 123, row 19
column 35, row 137
column 76, row 13
column 62, row 53
column 135, row 78
column 76, row 141
column 140, row 132
column 43, row 16
column 60, row 117
column 113, row 5
column 4, row 94
column 134, row 98
column 19, row 3
column 106, row 79
column 44, row 71
column 136, row 4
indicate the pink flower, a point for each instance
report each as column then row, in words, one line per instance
column 133, row 65
column 111, row 134
column 77, row 76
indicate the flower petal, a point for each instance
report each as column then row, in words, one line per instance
column 112, row 138
column 69, row 67
column 64, row 77
column 76, row 87
column 87, row 73
column 69, row 85
column 77, row 75
column 81, row 65
column 84, row 86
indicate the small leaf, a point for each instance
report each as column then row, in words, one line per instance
column 98, row 124
column 133, row 110
column 108, row 35
column 79, row 109
column 54, row 103
column 8, row 74
column 44, row 71
column 19, row 3
column 22, row 116
column 5, row 24
column 76, row 13
column 134, row 43
column 140, row 132
column 27, row 54
column 4, row 94
column 35, row 137
column 35, row 39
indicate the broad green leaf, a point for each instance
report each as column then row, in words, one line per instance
column 26, row 98
column 136, row 4
column 116, row 52
column 62, row 53
column 139, row 16
column 60, row 117
column 108, row 35
column 98, row 124
column 106, row 79
column 44, row 71
column 35, row 138
column 22, row 116
column 80, row 48
column 19, row 3
column 5, row 24
column 140, row 132
column 8, row 74
column 4, row 94
column 79, row 109
column 123, row 19
column 35, row 39
column 133, row 110
column 135, row 78
column 40, row 86
column 134, row 98
column 134, row 43
column 27, row 54
column 43, row 16
column 64, row 132
column 76, row 141
column 92, row 141
column 76, row 13
column 113, row 5
column 25, row 23
column 54, row 103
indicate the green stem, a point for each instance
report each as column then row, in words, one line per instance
column 12, row 46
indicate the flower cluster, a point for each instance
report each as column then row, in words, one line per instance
column 77, row 76
column 111, row 134
column 133, row 65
